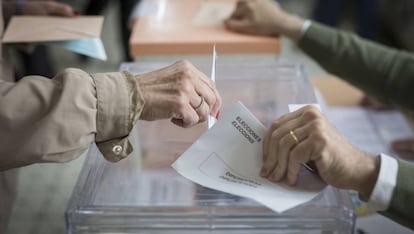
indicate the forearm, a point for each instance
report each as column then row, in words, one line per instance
column 366, row 173
column 46, row 120
column 382, row 72
column 55, row 120
column 290, row 25
column 389, row 190
column 386, row 185
column 401, row 208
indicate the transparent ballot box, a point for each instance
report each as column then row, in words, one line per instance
column 143, row 194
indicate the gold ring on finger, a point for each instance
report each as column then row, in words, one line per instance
column 295, row 138
column 199, row 105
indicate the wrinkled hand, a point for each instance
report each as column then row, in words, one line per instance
column 338, row 162
column 180, row 92
column 263, row 17
column 48, row 8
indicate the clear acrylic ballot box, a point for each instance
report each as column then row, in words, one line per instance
column 143, row 194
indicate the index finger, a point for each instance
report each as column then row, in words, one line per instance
column 240, row 10
column 278, row 124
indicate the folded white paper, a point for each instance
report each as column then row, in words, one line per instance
column 228, row 157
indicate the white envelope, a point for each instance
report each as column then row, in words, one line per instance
column 78, row 34
column 228, row 157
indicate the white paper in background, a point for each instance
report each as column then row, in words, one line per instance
column 149, row 9
column 91, row 47
column 370, row 131
column 295, row 107
column 391, row 125
column 213, row 13
column 228, row 157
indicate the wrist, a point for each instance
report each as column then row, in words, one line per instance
column 292, row 27
column 365, row 184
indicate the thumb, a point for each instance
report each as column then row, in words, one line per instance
column 237, row 25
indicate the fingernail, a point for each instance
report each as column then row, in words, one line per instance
column 218, row 114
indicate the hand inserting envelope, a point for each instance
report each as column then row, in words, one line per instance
column 228, row 157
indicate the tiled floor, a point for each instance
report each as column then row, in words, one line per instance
column 44, row 189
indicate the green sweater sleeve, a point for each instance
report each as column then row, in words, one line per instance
column 401, row 208
column 385, row 73
column 382, row 72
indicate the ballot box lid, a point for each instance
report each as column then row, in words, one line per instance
column 143, row 194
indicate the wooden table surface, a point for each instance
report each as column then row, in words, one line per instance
column 171, row 29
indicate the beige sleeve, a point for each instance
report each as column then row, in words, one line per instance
column 55, row 120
